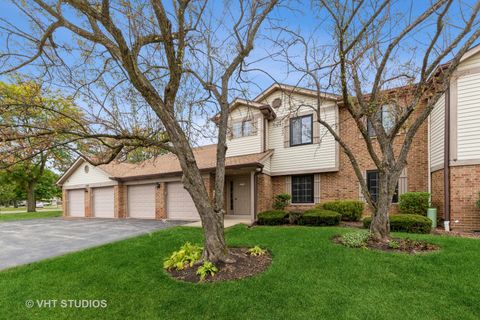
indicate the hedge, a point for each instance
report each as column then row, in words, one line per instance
column 351, row 210
column 320, row 217
column 272, row 217
column 414, row 203
column 413, row 223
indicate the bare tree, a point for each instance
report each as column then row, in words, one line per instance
column 377, row 60
column 114, row 46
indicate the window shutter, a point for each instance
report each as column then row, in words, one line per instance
column 288, row 185
column 316, row 188
column 360, row 193
column 315, row 129
column 286, row 132
column 403, row 182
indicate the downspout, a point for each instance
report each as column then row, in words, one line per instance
column 446, row 162
column 255, row 192
column 429, row 160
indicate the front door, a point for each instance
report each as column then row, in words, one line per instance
column 238, row 195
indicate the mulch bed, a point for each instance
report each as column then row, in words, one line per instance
column 245, row 265
column 404, row 245
column 460, row 234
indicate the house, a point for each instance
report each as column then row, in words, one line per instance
column 276, row 146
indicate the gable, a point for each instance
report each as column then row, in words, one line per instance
column 82, row 176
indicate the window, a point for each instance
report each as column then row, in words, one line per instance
column 387, row 114
column 373, row 184
column 302, row 189
column 242, row 129
column 301, row 130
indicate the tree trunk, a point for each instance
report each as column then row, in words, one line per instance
column 31, row 204
column 380, row 227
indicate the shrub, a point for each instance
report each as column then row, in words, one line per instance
column 413, row 223
column 271, row 218
column 478, row 201
column 356, row 239
column 281, row 201
column 205, row 269
column 186, row 256
column 351, row 210
column 414, row 203
column 256, row 251
column 393, row 244
column 294, row 216
column 320, row 217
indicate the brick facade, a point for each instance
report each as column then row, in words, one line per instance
column 437, row 193
column 120, row 201
column 161, row 201
column 464, row 189
column 88, row 203
column 343, row 184
column 264, row 192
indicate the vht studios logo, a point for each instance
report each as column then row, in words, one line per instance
column 66, row 303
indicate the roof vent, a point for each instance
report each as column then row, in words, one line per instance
column 277, row 103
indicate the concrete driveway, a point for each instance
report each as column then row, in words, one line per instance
column 27, row 241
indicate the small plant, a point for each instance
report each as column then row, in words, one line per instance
column 205, row 269
column 393, row 244
column 256, row 251
column 281, row 201
column 185, row 257
column 356, row 239
column 478, row 201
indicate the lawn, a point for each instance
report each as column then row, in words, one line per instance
column 310, row 278
column 29, row 215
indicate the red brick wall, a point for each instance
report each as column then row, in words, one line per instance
column 464, row 189
column 344, row 183
column 264, row 192
column 88, row 203
column 161, row 201
column 120, row 201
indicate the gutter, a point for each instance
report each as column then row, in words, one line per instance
column 446, row 162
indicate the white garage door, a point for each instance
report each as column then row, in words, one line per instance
column 103, row 203
column 179, row 203
column 141, row 201
column 76, row 203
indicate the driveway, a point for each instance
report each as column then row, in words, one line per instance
column 27, row 241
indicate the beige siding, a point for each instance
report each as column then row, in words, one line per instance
column 473, row 61
column 250, row 144
column 468, row 116
column 313, row 157
column 80, row 177
column 437, row 125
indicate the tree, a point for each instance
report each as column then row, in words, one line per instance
column 159, row 50
column 376, row 60
column 25, row 148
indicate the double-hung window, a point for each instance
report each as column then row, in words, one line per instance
column 387, row 115
column 301, row 130
column 373, row 186
column 242, row 129
column 302, row 189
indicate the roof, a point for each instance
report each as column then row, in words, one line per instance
column 168, row 164
column 295, row 89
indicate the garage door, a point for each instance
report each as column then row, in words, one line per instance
column 76, row 203
column 103, row 203
column 179, row 203
column 141, row 201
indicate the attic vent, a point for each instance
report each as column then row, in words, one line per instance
column 277, row 103
column 86, row 168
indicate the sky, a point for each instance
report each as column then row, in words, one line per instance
column 300, row 16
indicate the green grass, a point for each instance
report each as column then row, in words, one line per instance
column 29, row 215
column 310, row 278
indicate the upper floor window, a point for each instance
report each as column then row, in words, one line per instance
column 373, row 185
column 301, row 130
column 242, row 129
column 387, row 115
